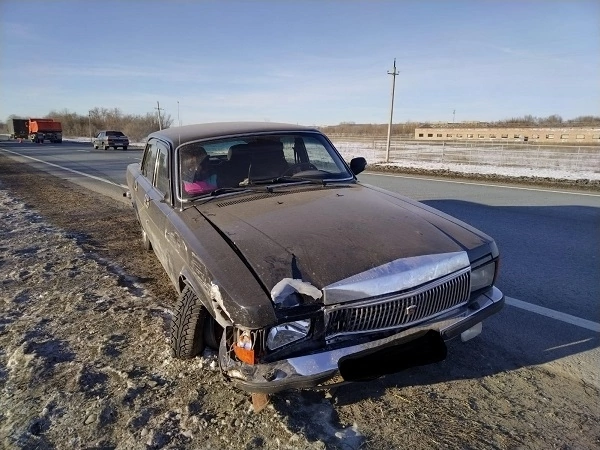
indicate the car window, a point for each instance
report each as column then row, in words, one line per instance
column 149, row 160
column 319, row 156
column 162, row 182
column 291, row 156
column 204, row 166
column 115, row 133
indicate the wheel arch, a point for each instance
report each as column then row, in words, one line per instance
column 204, row 292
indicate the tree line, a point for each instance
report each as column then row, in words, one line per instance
column 137, row 127
column 408, row 128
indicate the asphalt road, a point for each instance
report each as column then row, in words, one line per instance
column 549, row 240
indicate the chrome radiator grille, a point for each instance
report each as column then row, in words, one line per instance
column 401, row 310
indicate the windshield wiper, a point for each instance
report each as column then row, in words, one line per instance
column 227, row 190
column 289, row 179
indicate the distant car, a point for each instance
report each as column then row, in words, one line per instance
column 294, row 270
column 107, row 139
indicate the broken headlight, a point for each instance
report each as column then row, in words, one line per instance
column 287, row 333
column 483, row 276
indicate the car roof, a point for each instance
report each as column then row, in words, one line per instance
column 181, row 135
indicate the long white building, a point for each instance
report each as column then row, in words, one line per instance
column 547, row 135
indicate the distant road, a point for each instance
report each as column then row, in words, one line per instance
column 549, row 240
column 99, row 170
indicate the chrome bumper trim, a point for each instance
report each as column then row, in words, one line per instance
column 310, row 370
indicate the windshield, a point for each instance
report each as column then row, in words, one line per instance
column 206, row 166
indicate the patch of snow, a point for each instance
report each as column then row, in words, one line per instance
column 489, row 161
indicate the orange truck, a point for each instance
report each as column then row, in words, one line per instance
column 45, row 129
column 36, row 130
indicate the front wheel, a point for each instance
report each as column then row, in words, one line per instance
column 124, row 147
column 106, row 147
column 187, row 327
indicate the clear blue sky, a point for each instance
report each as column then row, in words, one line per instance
column 308, row 62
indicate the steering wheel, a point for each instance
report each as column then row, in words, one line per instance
column 299, row 167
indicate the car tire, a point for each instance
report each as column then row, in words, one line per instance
column 212, row 333
column 124, row 147
column 187, row 327
column 146, row 244
column 106, row 147
column 95, row 147
column 115, row 147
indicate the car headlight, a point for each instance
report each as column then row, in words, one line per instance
column 286, row 333
column 483, row 276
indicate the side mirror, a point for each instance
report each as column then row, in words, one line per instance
column 357, row 165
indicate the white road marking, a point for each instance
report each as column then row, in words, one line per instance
column 66, row 168
column 570, row 344
column 482, row 184
column 577, row 321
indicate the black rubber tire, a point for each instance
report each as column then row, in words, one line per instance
column 95, row 147
column 212, row 333
column 187, row 327
column 106, row 147
column 146, row 244
column 124, row 147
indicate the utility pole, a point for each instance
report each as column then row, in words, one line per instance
column 90, row 124
column 393, row 73
column 453, row 115
column 178, row 119
column 158, row 108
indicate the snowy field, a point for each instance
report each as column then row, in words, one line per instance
column 579, row 164
column 533, row 163
column 582, row 164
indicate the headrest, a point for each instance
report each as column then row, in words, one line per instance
column 266, row 145
column 257, row 148
column 238, row 151
column 266, row 149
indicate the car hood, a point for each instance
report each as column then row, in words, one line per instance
column 322, row 235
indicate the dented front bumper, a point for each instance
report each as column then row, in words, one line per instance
column 411, row 347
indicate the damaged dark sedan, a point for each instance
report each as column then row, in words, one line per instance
column 294, row 271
